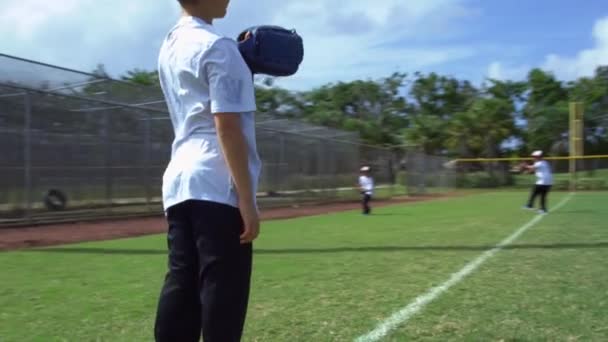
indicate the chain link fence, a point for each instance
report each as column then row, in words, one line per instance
column 78, row 144
column 425, row 174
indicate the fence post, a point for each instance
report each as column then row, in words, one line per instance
column 107, row 161
column 391, row 171
column 333, row 173
column 146, row 166
column 282, row 173
column 27, row 156
column 576, row 140
column 425, row 160
column 321, row 190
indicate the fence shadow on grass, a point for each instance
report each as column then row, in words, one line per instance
column 368, row 249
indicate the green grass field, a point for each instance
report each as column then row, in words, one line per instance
column 336, row 277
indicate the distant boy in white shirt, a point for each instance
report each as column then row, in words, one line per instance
column 366, row 188
column 544, row 181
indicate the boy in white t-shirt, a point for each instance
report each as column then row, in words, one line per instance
column 366, row 188
column 210, row 183
column 544, row 181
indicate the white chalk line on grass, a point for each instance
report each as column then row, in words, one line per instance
column 402, row 316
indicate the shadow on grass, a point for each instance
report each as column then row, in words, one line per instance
column 369, row 249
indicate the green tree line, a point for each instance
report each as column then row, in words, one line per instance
column 444, row 115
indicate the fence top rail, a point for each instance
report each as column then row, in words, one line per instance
column 100, row 77
column 83, row 98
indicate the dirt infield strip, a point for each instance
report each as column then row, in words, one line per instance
column 58, row 234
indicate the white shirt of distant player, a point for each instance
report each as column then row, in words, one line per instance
column 203, row 73
column 367, row 184
column 543, row 173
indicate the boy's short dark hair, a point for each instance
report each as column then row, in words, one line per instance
column 186, row 2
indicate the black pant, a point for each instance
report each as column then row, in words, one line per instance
column 207, row 285
column 541, row 190
column 365, row 203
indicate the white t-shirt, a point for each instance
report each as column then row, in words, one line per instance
column 367, row 184
column 543, row 173
column 201, row 74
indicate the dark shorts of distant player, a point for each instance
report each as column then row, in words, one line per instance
column 542, row 191
column 365, row 200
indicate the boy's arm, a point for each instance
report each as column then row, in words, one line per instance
column 231, row 93
column 528, row 167
column 234, row 147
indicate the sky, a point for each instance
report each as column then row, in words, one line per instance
column 344, row 39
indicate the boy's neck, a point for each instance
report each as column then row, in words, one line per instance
column 187, row 13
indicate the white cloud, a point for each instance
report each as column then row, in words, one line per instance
column 499, row 71
column 81, row 33
column 585, row 62
column 582, row 64
column 29, row 16
column 124, row 35
column 372, row 46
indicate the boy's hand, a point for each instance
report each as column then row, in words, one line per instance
column 251, row 223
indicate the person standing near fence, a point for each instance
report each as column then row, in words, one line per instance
column 366, row 188
column 544, row 181
column 210, row 183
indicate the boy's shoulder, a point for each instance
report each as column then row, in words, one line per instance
column 196, row 35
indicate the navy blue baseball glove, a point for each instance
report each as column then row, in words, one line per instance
column 271, row 50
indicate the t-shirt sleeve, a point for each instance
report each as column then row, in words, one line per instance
column 538, row 165
column 230, row 81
